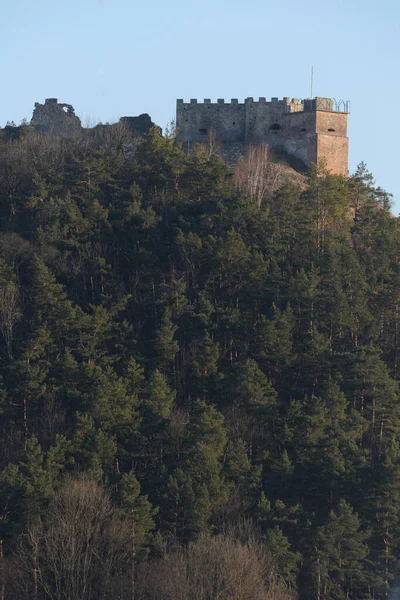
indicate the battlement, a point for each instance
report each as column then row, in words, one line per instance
column 234, row 101
column 289, row 105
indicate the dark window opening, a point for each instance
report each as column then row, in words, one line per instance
column 275, row 129
column 303, row 130
column 203, row 131
column 330, row 129
column 233, row 123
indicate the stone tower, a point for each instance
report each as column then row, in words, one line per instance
column 308, row 130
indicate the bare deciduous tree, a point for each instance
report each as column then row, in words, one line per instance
column 9, row 313
column 14, row 250
column 82, row 550
column 257, row 174
column 213, row 146
column 112, row 139
column 15, row 174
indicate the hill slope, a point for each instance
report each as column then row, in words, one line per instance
column 197, row 356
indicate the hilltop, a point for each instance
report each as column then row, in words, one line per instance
column 198, row 373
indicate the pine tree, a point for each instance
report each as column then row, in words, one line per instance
column 165, row 346
column 341, row 564
column 286, row 561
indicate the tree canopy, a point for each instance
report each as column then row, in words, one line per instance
column 195, row 358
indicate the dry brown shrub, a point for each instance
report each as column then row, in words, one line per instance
column 218, row 568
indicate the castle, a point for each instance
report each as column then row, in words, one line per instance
column 60, row 119
column 307, row 130
column 304, row 131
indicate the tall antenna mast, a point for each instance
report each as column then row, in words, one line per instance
column 312, row 81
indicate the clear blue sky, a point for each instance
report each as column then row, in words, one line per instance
column 111, row 58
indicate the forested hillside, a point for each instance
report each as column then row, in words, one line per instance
column 198, row 376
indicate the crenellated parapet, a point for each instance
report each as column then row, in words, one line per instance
column 288, row 105
column 232, row 101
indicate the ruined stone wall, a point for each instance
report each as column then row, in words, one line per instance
column 52, row 117
column 138, row 125
column 59, row 119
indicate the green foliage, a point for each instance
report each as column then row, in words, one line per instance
column 340, row 561
column 159, row 397
column 286, row 561
column 185, row 507
column 206, row 359
column 137, row 506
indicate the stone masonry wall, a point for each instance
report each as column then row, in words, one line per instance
column 308, row 130
column 52, row 117
column 335, row 150
column 298, row 136
column 260, row 115
column 332, row 141
column 59, row 119
column 196, row 120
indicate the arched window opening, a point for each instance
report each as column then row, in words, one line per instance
column 331, row 129
column 275, row 129
column 203, row 131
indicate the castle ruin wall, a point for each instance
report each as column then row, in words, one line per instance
column 60, row 119
column 52, row 117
